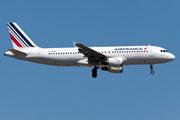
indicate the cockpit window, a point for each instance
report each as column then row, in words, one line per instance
column 163, row 50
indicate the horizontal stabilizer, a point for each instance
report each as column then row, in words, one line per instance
column 17, row 52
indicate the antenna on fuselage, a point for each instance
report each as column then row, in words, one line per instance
column 149, row 44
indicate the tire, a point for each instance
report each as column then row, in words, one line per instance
column 94, row 75
column 152, row 71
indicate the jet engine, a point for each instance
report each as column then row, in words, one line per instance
column 115, row 65
column 113, row 69
column 115, row 62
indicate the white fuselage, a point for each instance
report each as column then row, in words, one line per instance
column 109, row 59
column 71, row 57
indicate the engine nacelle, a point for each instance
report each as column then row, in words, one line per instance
column 113, row 69
column 115, row 62
column 116, row 69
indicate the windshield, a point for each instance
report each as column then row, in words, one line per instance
column 164, row 51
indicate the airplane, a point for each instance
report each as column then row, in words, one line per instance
column 109, row 59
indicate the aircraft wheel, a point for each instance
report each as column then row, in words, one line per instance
column 94, row 75
column 152, row 71
column 94, row 72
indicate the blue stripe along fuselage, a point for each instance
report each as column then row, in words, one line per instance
column 24, row 38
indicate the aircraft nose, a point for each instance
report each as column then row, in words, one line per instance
column 171, row 57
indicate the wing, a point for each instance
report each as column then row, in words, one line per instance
column 91, row 54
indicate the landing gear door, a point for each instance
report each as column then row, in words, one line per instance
column 40, row 54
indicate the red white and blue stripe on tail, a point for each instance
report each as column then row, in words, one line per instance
column 19, row 37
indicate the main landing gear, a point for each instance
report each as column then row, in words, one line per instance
column 94, row 72
column 151, row 67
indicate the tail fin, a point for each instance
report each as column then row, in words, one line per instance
column 19, row 37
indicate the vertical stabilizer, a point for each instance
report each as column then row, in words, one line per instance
column 19, row 37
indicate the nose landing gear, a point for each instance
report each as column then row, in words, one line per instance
column 151, row 67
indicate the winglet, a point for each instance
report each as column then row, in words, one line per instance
column 74, row 43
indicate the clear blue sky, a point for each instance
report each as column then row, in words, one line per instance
column 30, row 91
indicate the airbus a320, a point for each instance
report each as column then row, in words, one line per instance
column 109, row 59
